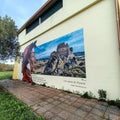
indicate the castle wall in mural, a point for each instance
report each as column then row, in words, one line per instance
column 63, row 56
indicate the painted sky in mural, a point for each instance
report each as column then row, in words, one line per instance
column 63, row 56
column 74, row 39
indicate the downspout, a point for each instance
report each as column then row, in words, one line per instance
column 117, row 4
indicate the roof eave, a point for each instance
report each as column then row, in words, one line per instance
column 37, row 14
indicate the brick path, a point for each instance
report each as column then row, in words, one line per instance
column 54, row 104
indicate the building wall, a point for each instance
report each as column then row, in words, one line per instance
column 15, row 71
column 98, row 20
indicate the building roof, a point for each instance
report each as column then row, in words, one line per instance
column 45, row 7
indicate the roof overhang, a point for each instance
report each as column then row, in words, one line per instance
column 45, row 7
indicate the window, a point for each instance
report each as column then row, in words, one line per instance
column 55, row 7
column 32, row 25
column 46, row 14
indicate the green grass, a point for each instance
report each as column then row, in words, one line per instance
column 13, row 109
column 6, row 75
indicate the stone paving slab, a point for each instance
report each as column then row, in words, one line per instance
column 55, row 104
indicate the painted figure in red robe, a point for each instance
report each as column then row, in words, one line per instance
column 28, row 63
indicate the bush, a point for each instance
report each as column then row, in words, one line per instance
column 117, row 103
column 88, row 95
column 44, row 85
column 6, row 67
column 114, row 102
column 111, row 102
column 102, row 95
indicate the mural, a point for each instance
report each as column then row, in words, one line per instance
column 63, row 56
column 28, row 63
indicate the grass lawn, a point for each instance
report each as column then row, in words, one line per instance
column 6, row 75
column 13, row 109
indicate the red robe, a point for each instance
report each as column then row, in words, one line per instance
column 26, row 60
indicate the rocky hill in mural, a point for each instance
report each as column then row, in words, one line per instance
column 63, row 62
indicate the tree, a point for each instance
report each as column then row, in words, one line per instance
column 9, row 45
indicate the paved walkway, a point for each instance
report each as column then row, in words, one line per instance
column 54, row 104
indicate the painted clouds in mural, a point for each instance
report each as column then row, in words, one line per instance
column 63, row 56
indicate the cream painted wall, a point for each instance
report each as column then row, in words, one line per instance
column 69, row 8
column 101, row 46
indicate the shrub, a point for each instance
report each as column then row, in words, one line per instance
column 117, row 103
column 102, row 95
column 6, row 67
column 114, row 102
column 111, row 102
column 44, row 85
column 88, row 95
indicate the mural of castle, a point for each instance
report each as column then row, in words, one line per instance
column 66, row 59
column 64, row 62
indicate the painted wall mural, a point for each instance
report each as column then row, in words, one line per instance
column 64, row 56
column 28, row 62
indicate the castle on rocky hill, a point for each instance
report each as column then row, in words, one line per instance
column 64, row 62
